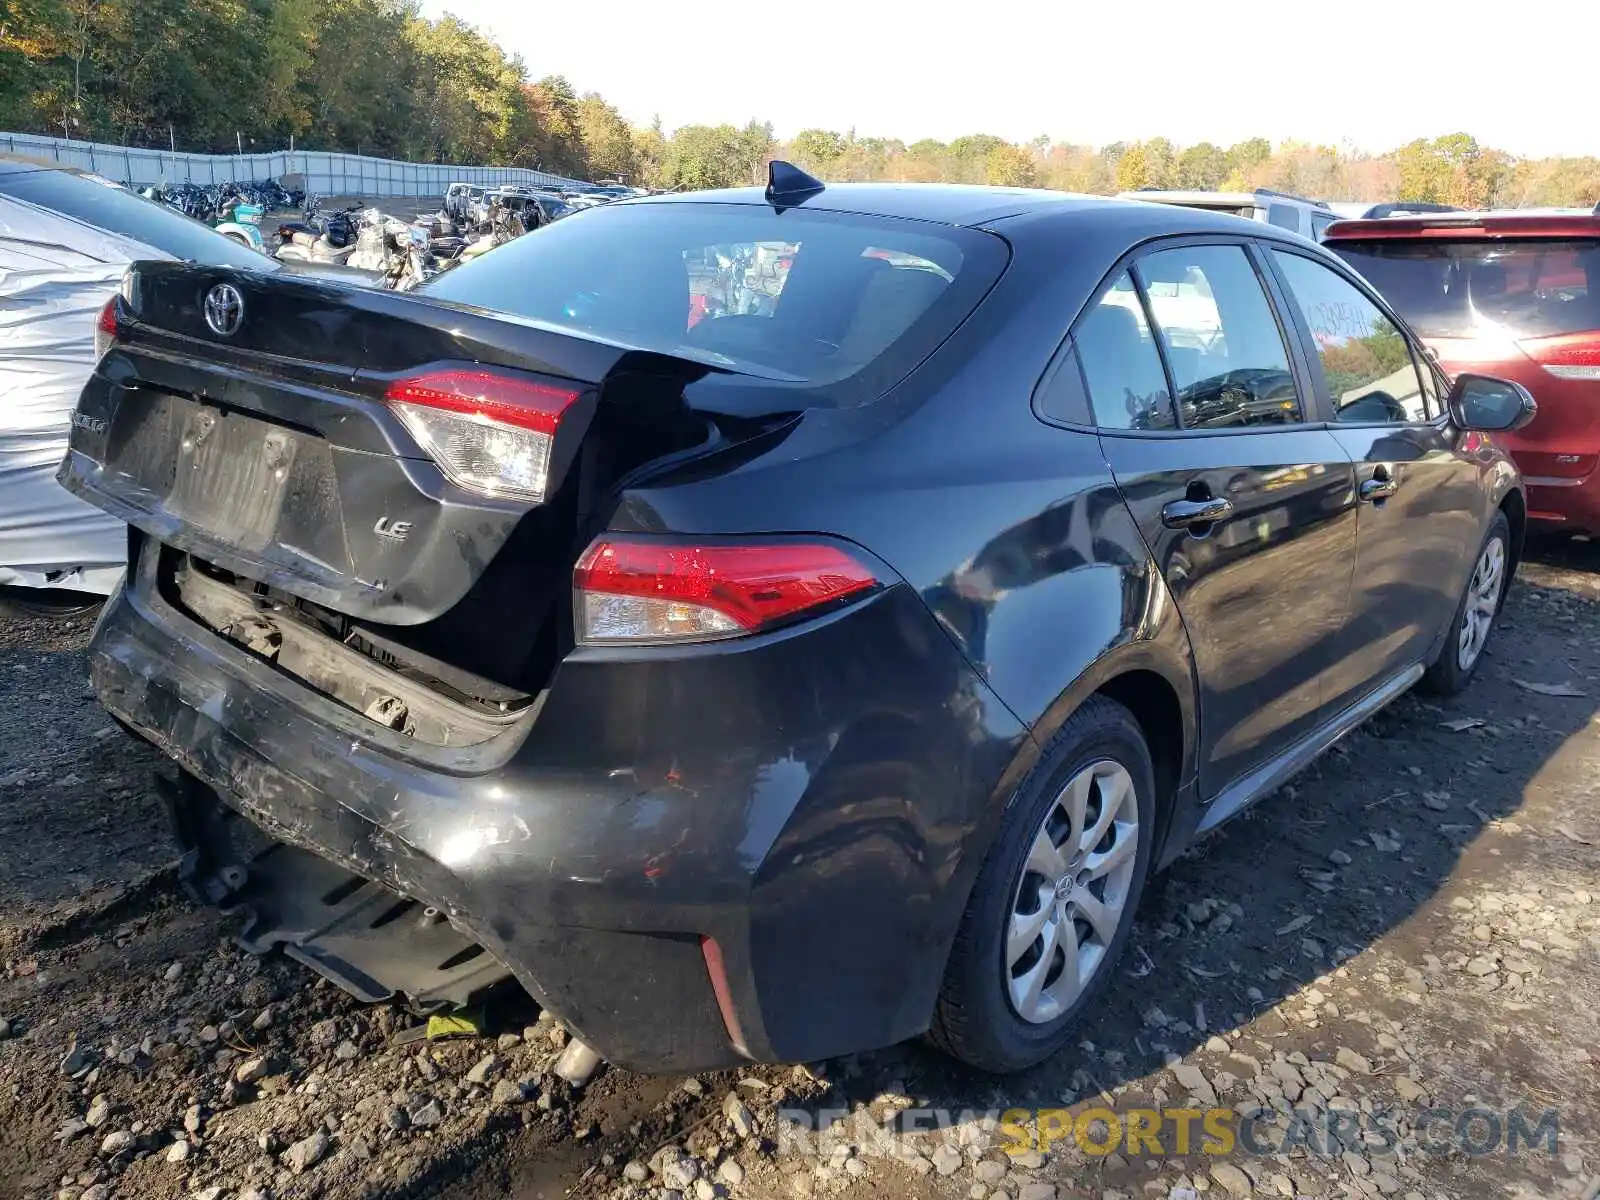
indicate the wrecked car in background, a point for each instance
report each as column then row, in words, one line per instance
column 66, row 240
column 773, row 684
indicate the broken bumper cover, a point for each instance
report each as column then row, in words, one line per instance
column 792, row 820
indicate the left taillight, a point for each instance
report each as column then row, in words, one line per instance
column 106, row 328
column 643, row 592
column 490, row 431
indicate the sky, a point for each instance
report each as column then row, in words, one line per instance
column 1373, row 76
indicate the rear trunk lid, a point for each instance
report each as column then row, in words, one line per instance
column 249, row 419
column 267, row 448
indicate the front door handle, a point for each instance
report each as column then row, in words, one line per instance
column 1379, row 487
column 1188, row 514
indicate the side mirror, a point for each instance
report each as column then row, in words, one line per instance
column 1489, row 405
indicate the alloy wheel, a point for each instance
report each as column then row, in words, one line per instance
column 1075, row 884
column 1483, row 601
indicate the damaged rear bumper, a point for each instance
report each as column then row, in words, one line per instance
column 695, row 858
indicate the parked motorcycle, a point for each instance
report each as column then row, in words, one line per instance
column 241, row 221
column 321, row 235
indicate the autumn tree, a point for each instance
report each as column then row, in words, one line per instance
column 607, row 141
column 1009, row 166
column 817, row 149
column 924, row 162
column 1133, row 170
column 649, row 147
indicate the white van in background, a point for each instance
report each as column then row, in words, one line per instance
column 1306, row 217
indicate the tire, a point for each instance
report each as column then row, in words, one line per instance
column 238, row 237
column 978, row 1018
column 49, row 602
column 1454, row 667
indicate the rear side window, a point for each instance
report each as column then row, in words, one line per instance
column 1366, row 360
column 1533, row 288
column 1121, row 364
column 1223, row 344
column 132, row 216
column 845, row 304
column 1283, row 216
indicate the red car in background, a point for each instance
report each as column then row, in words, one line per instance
column 1512, row 294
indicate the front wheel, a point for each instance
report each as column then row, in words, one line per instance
column 1475, row 614
column 1053, row 906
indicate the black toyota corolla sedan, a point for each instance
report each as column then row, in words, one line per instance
column 773, row 624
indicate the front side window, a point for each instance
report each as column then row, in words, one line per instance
column 1222, row 341
column 1121, row 364
column 1366, row 360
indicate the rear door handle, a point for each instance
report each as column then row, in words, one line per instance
column 1187, row 514
column 1379, row 487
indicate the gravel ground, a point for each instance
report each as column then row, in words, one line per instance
column 1413, row 923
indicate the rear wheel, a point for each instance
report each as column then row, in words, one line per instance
column 1053, row 905
column 1475, row 614
column 49, row 602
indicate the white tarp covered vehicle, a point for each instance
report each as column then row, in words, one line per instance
column 65, row 240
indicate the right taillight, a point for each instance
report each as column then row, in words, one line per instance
column 1569, row 356
column 490, row 431
column 651, row 591
column 106, row 328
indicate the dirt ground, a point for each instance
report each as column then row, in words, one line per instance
column 1401, row 948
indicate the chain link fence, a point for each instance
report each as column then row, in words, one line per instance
column 325, row 173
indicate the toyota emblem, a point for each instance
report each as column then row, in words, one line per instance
column 224, row 309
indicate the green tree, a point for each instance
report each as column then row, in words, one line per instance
column 467, row 92
column 1242, row 156
column 967, row 158
column 1203, row 166
column 1161, row 163
column 607, row 140
column 1424, row 173
column 30, row 64
column 356, row 89
column 704, row 156
column 817, row 150
column 752, row 151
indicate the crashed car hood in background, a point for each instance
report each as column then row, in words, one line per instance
column 55, row 275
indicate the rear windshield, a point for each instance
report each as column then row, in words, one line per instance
column 132, row 216
column 1521, row 289
column 805, row 297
